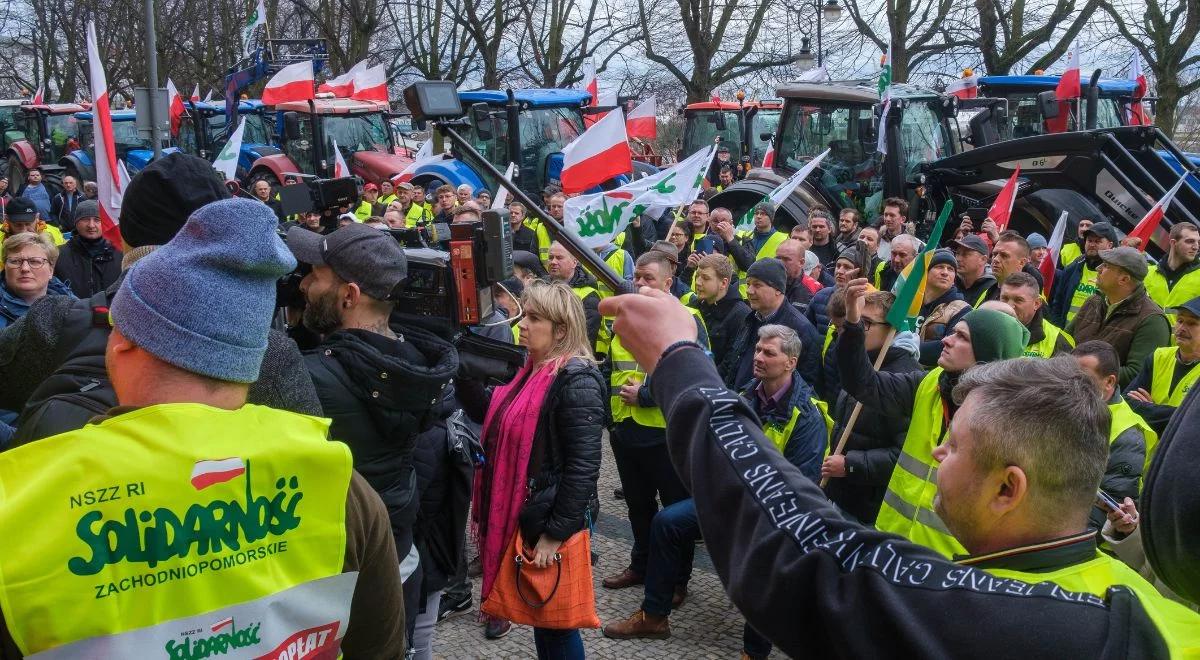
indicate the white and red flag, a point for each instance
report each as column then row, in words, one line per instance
column 370, row 84
column 966, row 87
column 591, row 84
column 111, row 177
column 206, row 473
column 1001, row 211
column 174, row 106
column 340, row 168
column 601, row 153
column 642, row 121
column 39, row 97
column 769, row 157
column 343, row 84
column 1149, row 222
column 195, row 97
column 293, row 83
column 1054, row 248
column 209, row 96
column 1066, row 91
column 1137, row 110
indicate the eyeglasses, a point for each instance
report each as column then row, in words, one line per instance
column 34, row 262
column 869, row 323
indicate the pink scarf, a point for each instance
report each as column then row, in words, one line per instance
column 500, row 488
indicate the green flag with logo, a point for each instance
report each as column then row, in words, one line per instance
column 910, row 285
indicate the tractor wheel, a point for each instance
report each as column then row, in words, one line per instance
column 15, row 172
column 263, row 175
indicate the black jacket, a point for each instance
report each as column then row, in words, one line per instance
column 723, row 321
column 378, row 391
column 817, row 312
column 931, row 349
column 738, row 363
column 977, row 292
column 874, row 444
column 88, row 267
column 772, row 534
column 1123, row 472
column 564, row 462
column 62, row 208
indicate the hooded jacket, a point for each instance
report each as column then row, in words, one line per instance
column 377, row 390
column 723, row 320
column 940, row 316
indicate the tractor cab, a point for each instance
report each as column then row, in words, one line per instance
column 705, row 122
column 203, row 131
column 39, row 135
column 136, row 151
column 1026, row 111
column 763, row 122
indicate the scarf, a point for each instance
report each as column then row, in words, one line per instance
column 500, row 487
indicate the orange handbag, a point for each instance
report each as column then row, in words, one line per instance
column 559, row 596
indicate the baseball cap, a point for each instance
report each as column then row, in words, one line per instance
column 1103, row 230
column 21, row 209
column 404, row 185
column 1192, row 306
column 370, row 187
column 1128, row 259
column 357, row 253
column 971, row 242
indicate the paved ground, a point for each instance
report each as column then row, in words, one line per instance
column 707, row 626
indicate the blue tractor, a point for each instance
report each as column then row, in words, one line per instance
column 527, row 126
column 203, row 132
column 135, row 150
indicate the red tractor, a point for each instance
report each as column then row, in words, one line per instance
column 746, row 127
column 38, row 136
column 309, row 130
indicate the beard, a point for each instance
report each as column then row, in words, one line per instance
column 322, row 314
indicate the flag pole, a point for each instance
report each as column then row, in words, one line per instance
column 841, row 445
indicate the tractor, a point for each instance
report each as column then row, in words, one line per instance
column 39, row 136
column 746, row 127
column 136, row 151
column 203, row 132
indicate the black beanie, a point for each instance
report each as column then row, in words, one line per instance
column 1170, row 503
column 162, row 197
column 771, row 272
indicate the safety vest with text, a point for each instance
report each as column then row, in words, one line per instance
column 1123, row 419
column 1083, row 291
column 1179, row 626
column 907, row 507
column 163, row 532
column 1045, row 347
column 1070, row 252
column 1161, row 391
column 625, row 368
column 766, row 251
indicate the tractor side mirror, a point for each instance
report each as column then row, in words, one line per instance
column 950, row 106
column 481, row 116
column 291, row 126
column 721, row 124
column 765, row 137
column 1047, row 104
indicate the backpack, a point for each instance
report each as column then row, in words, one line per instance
column 79, row 389
column 445, row 532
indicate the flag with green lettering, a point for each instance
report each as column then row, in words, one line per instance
column 910, row 285
column 256, row 18
column 598, row 218
column 227, row 161
column 780, row 193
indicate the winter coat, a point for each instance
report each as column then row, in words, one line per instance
column 1123, row 472
column 940, row 316
column 13, row 307
column 874, row 444
column 1065, row 282
column 738, row 367
column 805, row 447
column 378, row 392
column 723, row 321
column 1134, row 327
column 88, row 268
column 818, row 308
column 62, row 208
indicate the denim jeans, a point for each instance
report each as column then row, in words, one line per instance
column 647, row 476
column 673, row 536
column 422, row 637
column 558, row 644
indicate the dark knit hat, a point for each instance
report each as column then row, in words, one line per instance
column 529, row 261
column 943, row 256
column 203, row 301
column 766, row 207
column 162, row 197
column 995, row 335
column 88, row 208
column 770, row 272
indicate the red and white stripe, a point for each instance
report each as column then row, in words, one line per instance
column 601, row 153
column 591, row 83
column 195, row 98
column 769, row 157
column 1137, row 110
column 343, row 85
column 1001, row 211
column 1146, row 226
column 1054, row 248
column 340, row 168
column 111, row 176
column 39, row 97
column 293, row 83
column 966, row 87
column 227, row 621
column 210, row 472
column 642, row 121
column 370, row 84
column 1068, row 83
column 174, row 106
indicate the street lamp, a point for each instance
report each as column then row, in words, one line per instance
column 829, row 11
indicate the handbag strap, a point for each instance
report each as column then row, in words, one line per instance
column 557, row 579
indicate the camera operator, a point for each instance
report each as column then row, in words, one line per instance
column 376, row 384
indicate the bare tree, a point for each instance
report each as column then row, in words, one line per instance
column 916, row 30
column 1009, row 32
column 487, row 22
column 559, row 36
column 430, row 43
column 1164, row 32
column 347, row 25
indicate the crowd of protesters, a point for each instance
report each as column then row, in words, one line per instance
column 862, row 491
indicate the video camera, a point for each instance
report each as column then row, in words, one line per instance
column 312, row 193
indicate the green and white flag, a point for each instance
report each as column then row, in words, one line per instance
column 257, row 17
column 598, row 218
column 780, row 193
column 227, row 161
column 885, row 97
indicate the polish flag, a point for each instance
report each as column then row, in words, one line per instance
column 608, row 100
column 294, row 82
column 370, row 85
column 227, row 621
column 598, row 155
column 966, row 87
column 1054, row 248
column 591, row 84
column 340, row 169
column 1001, row 211
column 111, row 177
column 174, row 106
column 1137, row 110
column 1068, row 84
column 195, row 98
column 209, row 96
column 501, row 198
column 1146, row 226
column 424, row 155
column 39, row 97
column 208, row 473
column 343, row 84
column 769, row 157
column 642, row 121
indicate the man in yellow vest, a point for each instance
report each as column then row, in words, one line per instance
column 1074, row 249
column 1023, row 293
column 186, row 522
column 1077, row 282
column 369, row 204
column 387, row 192
column 1130, row 439
column 638, row 434
column 983, row 335
column 1170, row 372
column 1017, row 478
column 1175, row 279
column 412, row 204
column 759, row 242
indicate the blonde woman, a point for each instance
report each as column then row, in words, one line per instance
column 541, row 438
column 28, row 275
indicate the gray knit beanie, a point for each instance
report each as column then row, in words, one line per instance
column 203, row 302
